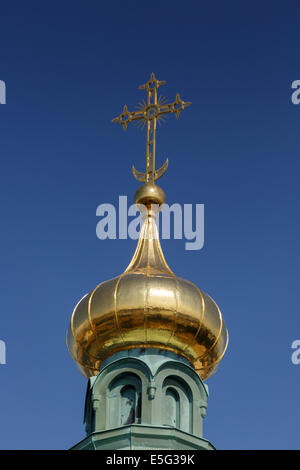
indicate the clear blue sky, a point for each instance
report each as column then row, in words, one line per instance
column 69, row 67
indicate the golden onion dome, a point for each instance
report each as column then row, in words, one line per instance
column 147, row 306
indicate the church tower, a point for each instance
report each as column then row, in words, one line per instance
column 147, row 339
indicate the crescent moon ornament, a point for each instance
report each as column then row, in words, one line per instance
column 144, row 177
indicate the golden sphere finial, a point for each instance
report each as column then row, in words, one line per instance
column 149, row 193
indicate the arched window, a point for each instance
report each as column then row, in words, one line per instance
column 177, row 404
column 171, row 408
column 124, row 400
column 128, row 404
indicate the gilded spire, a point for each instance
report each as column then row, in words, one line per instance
column 148, row 306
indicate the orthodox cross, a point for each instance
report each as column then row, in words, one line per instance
column 149, row 114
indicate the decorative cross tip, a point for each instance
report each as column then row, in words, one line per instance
column 155, row 110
